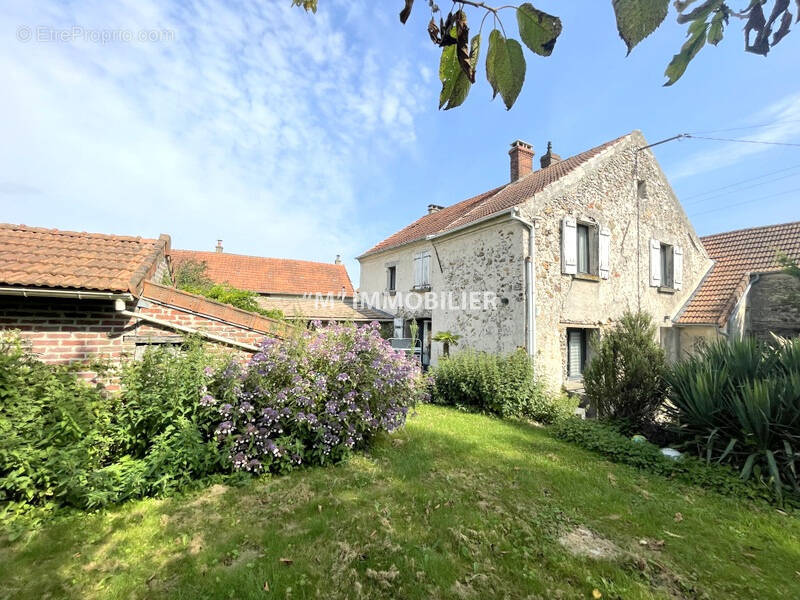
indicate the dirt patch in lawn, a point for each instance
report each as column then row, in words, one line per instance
column 584, row 542
column 209, row 495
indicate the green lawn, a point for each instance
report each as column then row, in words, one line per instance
column 454, row 506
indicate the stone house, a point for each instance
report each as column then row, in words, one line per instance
column 302, row 290
column 79, row 297
column 546, row 260
column 746, row 292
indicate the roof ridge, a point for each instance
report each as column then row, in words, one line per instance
column 70, row 233
column 297, row 260
column 735, row 231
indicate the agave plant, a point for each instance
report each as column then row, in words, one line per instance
column 739, row 403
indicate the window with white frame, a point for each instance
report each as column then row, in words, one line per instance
column 585, row 248
column 391, row 278
column 422, row 270
column 666, row 265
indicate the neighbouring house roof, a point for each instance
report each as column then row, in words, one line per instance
column 488, row 203
column 270, row 275
column 335, row 309
column 50, row 258
column 216, row 310
column 736, row 255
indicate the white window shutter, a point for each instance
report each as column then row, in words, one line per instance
column 604, row 249
column 655, row 263
column 677, row 267
column 569, row 246
column 417, row 270
column 426, row 269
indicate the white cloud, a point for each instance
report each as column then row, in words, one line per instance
column 783, row 119
column 252, row 125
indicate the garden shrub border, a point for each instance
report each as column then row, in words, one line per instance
column 605, row 440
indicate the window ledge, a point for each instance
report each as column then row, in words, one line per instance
column 390, row 292
column 421, row 288
column 662, row 289
column 586, row 277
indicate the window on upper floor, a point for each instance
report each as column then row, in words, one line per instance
column 666, row 266
column 585, row 248
column 391, row 278
column 422, row 270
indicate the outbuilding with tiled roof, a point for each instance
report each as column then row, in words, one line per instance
column 746, row 290
column 77, row 297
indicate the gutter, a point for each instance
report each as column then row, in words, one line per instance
column 120, row 308
column 530, row 284
column 53, row 293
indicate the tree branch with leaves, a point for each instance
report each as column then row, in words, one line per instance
column 539, row 31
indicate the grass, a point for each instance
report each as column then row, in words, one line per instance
column 454, row 506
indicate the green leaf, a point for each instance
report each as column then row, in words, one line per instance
column 456, row 83
column 715, row 32
column 505, row 67
column 775, row 473
column 636, row 19
column 697, row 39
column 538, row 30
column 747, row 469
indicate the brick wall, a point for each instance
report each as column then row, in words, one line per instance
column 65, row 331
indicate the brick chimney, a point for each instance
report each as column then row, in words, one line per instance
column 432, row 208
column 338, row 260
column 521, row 154
column 550, row 158
column 219, row 246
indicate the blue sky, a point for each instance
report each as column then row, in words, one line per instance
column 300, row 136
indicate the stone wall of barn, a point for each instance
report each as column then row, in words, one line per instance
column 773, row 306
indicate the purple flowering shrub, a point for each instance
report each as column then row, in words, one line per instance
column 313, row 398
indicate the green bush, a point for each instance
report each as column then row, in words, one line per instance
column 54, row 430
column 503, row 385
column 625, row 378
column 161, row 426
column 64, row 442
column 607, row 441
column 739, row 403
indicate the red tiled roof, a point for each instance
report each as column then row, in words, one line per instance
column 270, row 275
column 223, row 312
column 488, row 203
column 36, row 257
column 736, row 255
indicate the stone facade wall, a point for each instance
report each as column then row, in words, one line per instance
column 65, row 331
column 485, row 259
column 604, row 192
column 773, row 306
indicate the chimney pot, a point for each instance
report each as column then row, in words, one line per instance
column 338, row 260
column 550, row 158
column 432, row 208
column 521, row 154
column 219, row 246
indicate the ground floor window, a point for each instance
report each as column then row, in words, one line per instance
column 576, row 353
